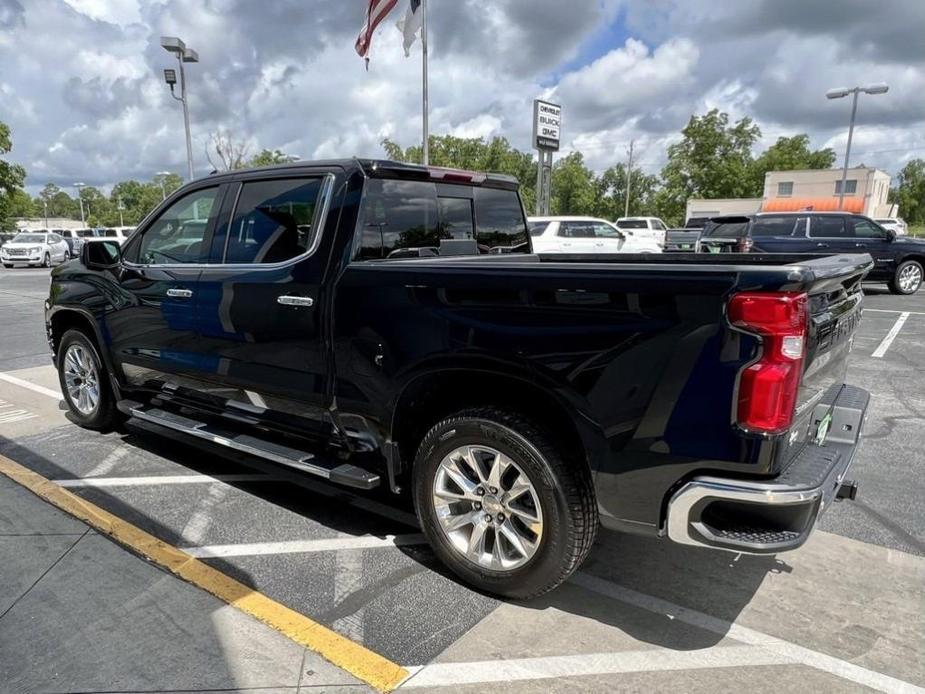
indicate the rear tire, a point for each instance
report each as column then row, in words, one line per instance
column 519, row 534
column 85, row 382
column 908, row 278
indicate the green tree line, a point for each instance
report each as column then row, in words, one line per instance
column 714, row 159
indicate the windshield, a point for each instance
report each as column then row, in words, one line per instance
column 633, row 224
column 82, row 233
column 29, row 238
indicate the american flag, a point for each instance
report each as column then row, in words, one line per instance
column 375, row 13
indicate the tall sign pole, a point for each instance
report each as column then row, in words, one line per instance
column 629, row 177
column 547, row 123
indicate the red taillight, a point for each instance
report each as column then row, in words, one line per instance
column 768, row 388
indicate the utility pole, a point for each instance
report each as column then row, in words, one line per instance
column 629, row 176
column 79, row 186
column 120, row 207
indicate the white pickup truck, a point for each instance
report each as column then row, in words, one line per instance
column 644, row 228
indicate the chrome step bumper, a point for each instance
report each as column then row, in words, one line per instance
column 764, row 517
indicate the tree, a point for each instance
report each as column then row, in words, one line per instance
column 713, row 160
column 610, row 193
column 12, row 177
column 268, row 157
column 909, row 192
column 573, row 186
column 231, row 153
column 788, row 154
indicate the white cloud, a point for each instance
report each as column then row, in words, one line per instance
column 83, row 93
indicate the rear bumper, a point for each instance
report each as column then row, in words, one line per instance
column 769, row 516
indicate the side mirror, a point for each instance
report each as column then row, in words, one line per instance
column 890, row 234
column 100, row 255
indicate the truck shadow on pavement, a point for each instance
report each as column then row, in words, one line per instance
column 718, row 583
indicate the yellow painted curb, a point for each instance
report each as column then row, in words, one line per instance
column 356, row 659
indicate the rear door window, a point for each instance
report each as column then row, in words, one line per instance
column 825, row 227
column 273, row 221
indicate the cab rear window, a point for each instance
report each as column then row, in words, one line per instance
column 423, row 219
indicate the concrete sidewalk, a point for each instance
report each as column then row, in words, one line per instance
column 78, row 613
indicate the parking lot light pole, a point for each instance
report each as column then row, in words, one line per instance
column 79, row 186
column 162, row 176
column 879, row 88
column 174, row 45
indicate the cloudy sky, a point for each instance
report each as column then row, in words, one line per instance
column 81, row 84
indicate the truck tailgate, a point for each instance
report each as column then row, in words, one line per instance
column 835, row 305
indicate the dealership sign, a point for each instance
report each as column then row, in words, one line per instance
column 547, row 121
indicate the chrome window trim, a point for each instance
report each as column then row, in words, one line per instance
column 321, row 216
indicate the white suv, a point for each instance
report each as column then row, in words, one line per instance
column 35, row 248
column 644, row 227
column 584, row 235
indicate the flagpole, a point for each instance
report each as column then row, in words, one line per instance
column 426, row 158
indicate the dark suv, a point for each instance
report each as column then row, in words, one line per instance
column 898, row 260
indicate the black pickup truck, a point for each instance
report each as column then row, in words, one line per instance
column 355, row 320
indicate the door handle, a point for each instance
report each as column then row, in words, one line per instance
column 860, row 245
column 822, row 245
column 180, row 293
column 295, row 300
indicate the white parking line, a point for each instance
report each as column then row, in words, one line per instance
column 785, row 649
column 259, row 549
column 9, row 413
column 890, row 310
column 890, row 336
column 153, row 480
column 650, row 660
column 56, row 394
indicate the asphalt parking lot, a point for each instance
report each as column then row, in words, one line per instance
column 78, row 613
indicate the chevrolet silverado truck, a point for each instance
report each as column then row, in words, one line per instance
column 355, row 320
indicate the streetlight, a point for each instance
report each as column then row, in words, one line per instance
column 120, row 207
column 78, row 186
column 174, row 45
column 878, row 88
column 163, row 175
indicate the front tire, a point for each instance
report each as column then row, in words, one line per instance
column 46, row 262
column 908, row 278
column 85, row 382
column 500, row 505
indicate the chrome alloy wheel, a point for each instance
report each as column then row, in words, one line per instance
column 910, row 278
column 487, row 508
column 82, row 379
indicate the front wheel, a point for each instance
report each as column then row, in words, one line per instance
column 85, row 382
column 500, row 505
column 46, row 262
column 908, row 278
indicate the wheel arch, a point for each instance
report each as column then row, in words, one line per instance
column 431, row 396
column 63, row 319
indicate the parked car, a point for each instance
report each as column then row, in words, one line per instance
column 34, row 248
column 585, row 235
column 892, row 224
column 73, row 238
column 644, row 227
column 522, row 399
column 684, row 240
column 898, row 260
column 5, row 237
column 112, row 233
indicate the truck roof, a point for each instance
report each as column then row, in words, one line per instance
column 385, row 168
